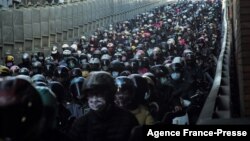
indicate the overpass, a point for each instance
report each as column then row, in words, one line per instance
column 36, row 27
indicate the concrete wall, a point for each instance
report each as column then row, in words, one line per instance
column 38, row 28
column 241, row 21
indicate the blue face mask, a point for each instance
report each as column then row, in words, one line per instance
column 115, row 74
column 176, row 76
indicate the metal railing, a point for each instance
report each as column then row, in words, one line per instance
column 216, row 109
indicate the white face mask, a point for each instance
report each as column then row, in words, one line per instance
column 96, row 103
column 123, row 100
column 163, row 80
column 147, row 95
column 124, row 58
column 175, row 76
column 105, row 68
column 115, row 74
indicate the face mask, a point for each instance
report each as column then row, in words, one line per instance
column 96, row 103
column 41, row 58
column 84, row 61
column 71, row 64
column 123, row 100
column 155, row 57
column 147, row 95
column 85, row 74
column 115, row 74
column 150, row 51
column 9, row 64
column 163, row 80
column 124, row 58
column 175, row 76
column 105, row 68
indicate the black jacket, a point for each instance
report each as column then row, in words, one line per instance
column 115, row 124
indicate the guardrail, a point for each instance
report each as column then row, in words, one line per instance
column 216, row 109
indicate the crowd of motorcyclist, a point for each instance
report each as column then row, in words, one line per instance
column 143, row 71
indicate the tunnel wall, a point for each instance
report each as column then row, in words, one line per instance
column 37, row 28
column 241, row 22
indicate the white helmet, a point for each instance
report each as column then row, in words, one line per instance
column 177, row 60
column 171, row 41
column 65, row 46
column 54, row 50
column 74, row 46
column 83, row 37
column 105, row 57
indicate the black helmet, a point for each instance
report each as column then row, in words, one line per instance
column 159, row 71
column 97, row 54
column 37, row 68
column 144, row 62
column 49, row 69
column 72, row 62
column 141, row 87
column 61, row 73
column 116, row 67
column 102, row 81
column 95, row 64
column 125, row 95
column 83, row 58
column 120, row 47
column 176, row 69
column 117, row 56
column 104, row 50
column 24, row 71
column 39, row 80
column 157, row 53
column 58, row 89
column 123, row 83
column 41, row 57
column 161, row 75
column 34, row 57
column 50, row 107
column 76, row 86
column 127, row 67
column 20, row 109
column 76, row 72
column 177, row 65
column 188, row 56
column 102, row 43
column 134, row 65
column 139, row 47
column 125, row 73
column 85, row 67
column 124, row 56
column 150, row 75
column 105, row 62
